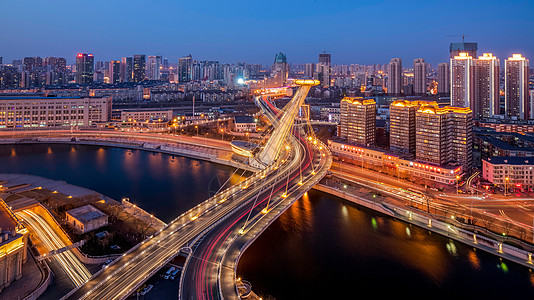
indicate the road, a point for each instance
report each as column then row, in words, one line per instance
column 52, row 240
column 125, row 274
column 201, row 276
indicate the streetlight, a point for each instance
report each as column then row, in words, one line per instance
column 457, row 186
column 222, row 131
column 196, row 129
column 506, row 186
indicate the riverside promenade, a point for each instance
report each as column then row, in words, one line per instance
column 499, row 245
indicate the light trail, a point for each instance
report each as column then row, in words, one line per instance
column 71, row 265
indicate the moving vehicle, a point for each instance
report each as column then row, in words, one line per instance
column 173, row 274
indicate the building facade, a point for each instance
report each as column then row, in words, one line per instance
column 516, row 93
column 358, row 120
column 419, row 74
column 84, row 68
column 139, row 68
column 395, row 76
column 126, row 69
column 86, row 218
column 462, row 78
column 487, row 98
column 25, row 112
column 444, row 136
column 509, row 172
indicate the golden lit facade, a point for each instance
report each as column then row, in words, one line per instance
column 444, row 135
column 358, row 120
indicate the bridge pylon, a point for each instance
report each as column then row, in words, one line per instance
column 272, row 148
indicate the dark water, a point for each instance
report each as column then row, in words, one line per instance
column 321, row 248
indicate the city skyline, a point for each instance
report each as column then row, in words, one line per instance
column 361, row 33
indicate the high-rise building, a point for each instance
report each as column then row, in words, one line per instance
column 358, row 120
column 444, row 135
column 185, row 68
column 395, row 76
column 57, row 63
column 469, row 48
column 32, row 62
column 84, row 68
column 486, row 101
column 139, row 67
column 114, row 71
column 324, row 68
column 516, row 92
column 462, row 80
column 531, row 105
column 419, row 74
column 402, row 125
column 1, row 60
column 309, row 70
column 153, row 67
column 280, row 69
column 444, row 79
column 126, row 69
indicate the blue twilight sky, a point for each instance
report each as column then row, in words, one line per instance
column 363, row 32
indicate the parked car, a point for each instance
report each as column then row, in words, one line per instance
column 146, row 290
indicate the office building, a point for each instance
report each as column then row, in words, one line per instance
column 185, row 69
column 444, row 135
column 456, row 48
column 444, row 79
column 153, row 65
column 395, row 76
column 84, row 68
column 29, row 111
column 419, row 74
column 486, row 101
column 126, row 69
column 358, row 120
column 139, row 67
column 462, row 77
column 280, row 70
column 324, row 68
column 516, row 93
column 309, row 70
column 114, row 71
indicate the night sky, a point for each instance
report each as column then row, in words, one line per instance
column 363, row 32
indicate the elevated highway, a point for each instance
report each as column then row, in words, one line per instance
column 290, row 165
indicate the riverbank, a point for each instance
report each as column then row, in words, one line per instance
column 486, row 241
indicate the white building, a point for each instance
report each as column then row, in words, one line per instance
column 509, row 172
column 462, row 81
column 26, row 112
column 244, row 124
column 141, row 115
column 86, row 218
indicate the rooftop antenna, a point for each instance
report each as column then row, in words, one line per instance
column 463, row 36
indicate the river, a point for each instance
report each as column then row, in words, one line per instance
column 323, row 247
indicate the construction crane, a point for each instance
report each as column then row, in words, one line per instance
column 463, row 37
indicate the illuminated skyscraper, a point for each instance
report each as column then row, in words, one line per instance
column 114, row 71
column 280, row 69
column 153, row 67
column 139, row 67
column 516, row 92
column 419, row 72
column 395, row 76
column 324, row 68
column 462, row 80
column 84, row 68
column 486, row 101
column 126, row 69
column 185, row 69
column 444, row 79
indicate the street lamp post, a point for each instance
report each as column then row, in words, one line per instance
column 196, row 127
column 457, row 185
column 222, row 137
column 506, row 186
